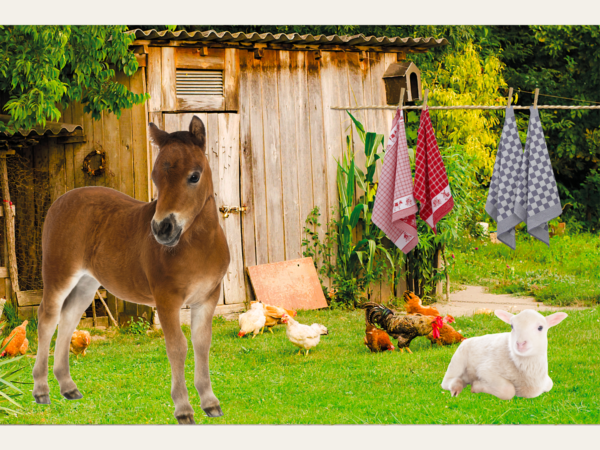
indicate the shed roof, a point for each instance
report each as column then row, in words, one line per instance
column 54, row 128
column 226, row 37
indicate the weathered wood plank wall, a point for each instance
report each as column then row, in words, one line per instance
column 295, row 140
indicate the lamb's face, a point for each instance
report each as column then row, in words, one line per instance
column 529, row 331
column 528, row 336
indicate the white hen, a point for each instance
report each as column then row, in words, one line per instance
column 253, row 320
column 303, row 336
column 322, row 329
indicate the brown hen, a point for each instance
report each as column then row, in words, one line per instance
column 80, row 341
column 415, row 306
column 16, row 342
column 274, row 314
column 377, row 340
column 447, row 334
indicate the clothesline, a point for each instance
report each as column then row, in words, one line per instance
column 394, row 108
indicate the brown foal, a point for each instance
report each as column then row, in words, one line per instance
column 167, row 253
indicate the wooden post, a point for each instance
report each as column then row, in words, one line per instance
column 112, row 319
column 94, row 312
column 9, row 219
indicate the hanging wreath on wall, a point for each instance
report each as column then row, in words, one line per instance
column 87, row 168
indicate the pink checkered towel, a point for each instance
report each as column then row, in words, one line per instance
column 395, row 207
column 431, row 182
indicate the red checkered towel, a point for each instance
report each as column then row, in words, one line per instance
column 395, row 206
column 431, row 182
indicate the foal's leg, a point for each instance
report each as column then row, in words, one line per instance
column 48, row 313
column 176, row 344
column 76, row 303
column 202, row 314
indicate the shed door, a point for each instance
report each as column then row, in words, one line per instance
column 223, row 152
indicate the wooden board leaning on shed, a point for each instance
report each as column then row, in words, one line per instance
column 290, row 284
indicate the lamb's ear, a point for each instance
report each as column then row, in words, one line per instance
column 503, row 315
column 556, row 318
column 158, row 136
column 198, row 131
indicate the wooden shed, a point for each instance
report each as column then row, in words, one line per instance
column 273, row 140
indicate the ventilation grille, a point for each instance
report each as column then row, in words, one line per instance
column 199, row 82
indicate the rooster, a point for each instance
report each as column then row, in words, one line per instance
column 16, row 342
column 80, row 341
column 403, row 328
column 377, row 340
column 443, row 333
column 414, row 305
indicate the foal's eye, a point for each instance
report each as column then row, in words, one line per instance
column 540, row 328
column 194, row 178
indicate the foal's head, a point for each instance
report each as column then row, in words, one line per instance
column 183, row 179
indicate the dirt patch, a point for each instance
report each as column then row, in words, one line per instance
column 469, row 300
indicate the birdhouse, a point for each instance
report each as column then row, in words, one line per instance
column 402, row 75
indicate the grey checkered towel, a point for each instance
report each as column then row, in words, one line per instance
column 503, row 187
column 537, row 200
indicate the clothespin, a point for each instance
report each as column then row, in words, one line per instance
column 402, row 91
column 510, row 92
column 535, row 98
column 425, row 95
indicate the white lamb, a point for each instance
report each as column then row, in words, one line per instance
column 505, row 364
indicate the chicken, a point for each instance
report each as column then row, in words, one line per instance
column 414, row 305
column 80, row 341
column 16, row 342
column 483, row 311
column 404, row 328
column 303, row 336
column 377, row 340
column 273, row 315
column 322, row 329
column 253, row 320
column 446, row 334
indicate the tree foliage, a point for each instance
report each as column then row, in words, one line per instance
column 44, row 68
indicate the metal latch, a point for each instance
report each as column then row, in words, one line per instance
column 226, row 210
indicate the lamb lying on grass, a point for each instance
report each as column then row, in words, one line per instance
column 505, row 364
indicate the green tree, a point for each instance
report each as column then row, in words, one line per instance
column 44, row 68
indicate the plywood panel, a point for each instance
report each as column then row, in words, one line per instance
column 290, row 284
column 258, row 160
column 289, row 158
column 229, row 189
column 303, row 132
column 139, row 115
column 246, row 172
column 275, row 223
column 154, row 79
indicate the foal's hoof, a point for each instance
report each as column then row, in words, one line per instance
column 42, row 399
column 73, row 395
column 213, row 411
column 187, row 419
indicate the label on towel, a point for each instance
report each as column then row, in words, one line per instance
column 403, row 203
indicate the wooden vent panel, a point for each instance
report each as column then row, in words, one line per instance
column 199, row 82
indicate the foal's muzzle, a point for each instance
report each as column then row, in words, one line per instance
column 167, row 232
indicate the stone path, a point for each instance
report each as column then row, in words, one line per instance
column 466, row 302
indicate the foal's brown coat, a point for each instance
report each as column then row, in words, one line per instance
column 166, row 253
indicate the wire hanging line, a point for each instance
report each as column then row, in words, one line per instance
column 492, row 107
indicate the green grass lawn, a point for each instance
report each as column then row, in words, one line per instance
column 126, row 380
column 566, row 273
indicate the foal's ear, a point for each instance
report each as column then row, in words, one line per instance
column 197, row 130
column 158, row 136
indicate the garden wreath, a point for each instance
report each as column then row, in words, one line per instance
column 86, row 163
